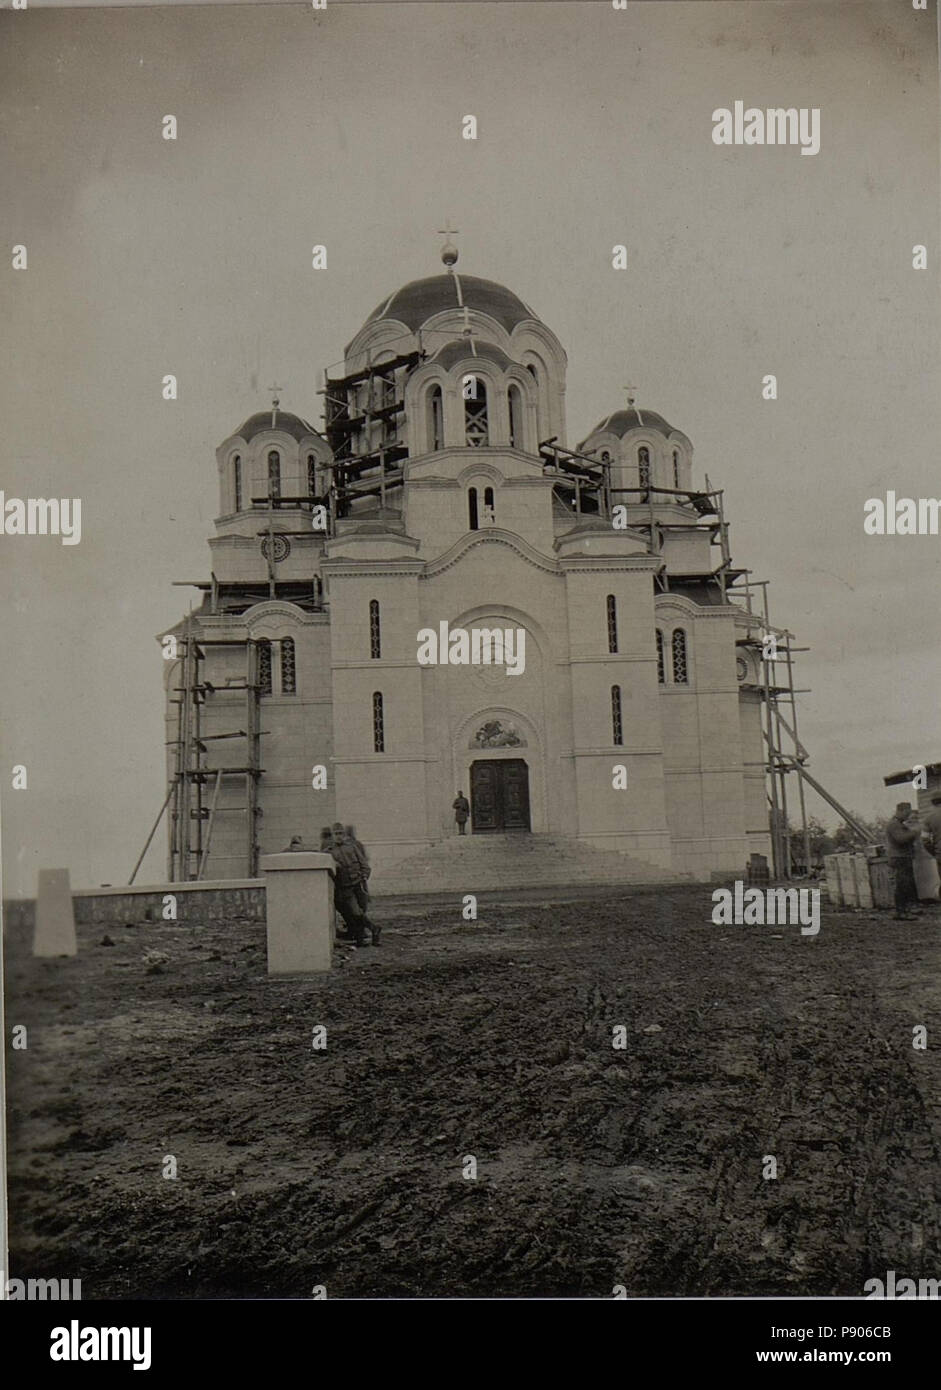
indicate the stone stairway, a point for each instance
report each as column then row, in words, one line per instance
column 476, row 863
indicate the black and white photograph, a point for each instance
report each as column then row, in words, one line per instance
column 470, row 791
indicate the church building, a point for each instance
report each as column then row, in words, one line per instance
column 440, row 494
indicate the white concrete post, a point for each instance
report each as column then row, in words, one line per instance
column 847, row 877
column 863, row 888
column 298, row 912
column 832, row 871
column 55, row 917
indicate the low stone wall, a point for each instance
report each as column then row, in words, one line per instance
column 195, row 902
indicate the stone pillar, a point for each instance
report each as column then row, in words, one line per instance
column 847, row 876
column 55, row 918
column 298, row 911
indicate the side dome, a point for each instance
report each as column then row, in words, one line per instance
column 261, row 421
column 621, row 421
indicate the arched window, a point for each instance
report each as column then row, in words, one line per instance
column 515, row 406
column 617, row 726
column 476, row 422
column 542, row 402
column 661, row 666
column 264, row 667
column 288, row 667
column 274, row 475
column 387, row 399
column 237, row 481
column 378, row 724
column 435, row 418
column 612, row 611
column 643, row 466
column 490, row 514
column 676, row 468
column 472, row 518
column 312, row 475
column 375, row 634
column 680, row 668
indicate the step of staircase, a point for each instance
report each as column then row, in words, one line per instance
column 469, row 863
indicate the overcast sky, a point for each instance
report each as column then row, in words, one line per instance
column 297, row 127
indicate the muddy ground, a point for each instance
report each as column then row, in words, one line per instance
column 595, row 1167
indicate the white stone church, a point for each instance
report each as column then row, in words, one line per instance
column 440, row 489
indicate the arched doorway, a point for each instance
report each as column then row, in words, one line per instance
column 499, row 796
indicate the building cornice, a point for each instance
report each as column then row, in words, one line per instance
column 493, row 535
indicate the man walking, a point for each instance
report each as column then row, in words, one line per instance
column 461, row 808
column 350, row 875
column 900, row 837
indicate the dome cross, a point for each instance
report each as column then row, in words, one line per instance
column 275, row 402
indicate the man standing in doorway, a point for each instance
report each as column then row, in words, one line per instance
column 901, row 832
column 461, row 807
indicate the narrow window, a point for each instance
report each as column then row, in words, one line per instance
column 476, row 423
column 378, row 724
column 515, row 405
column 237, row 481
column 472, row 518
column 435, row 418
column 676, row 468
column 643, row 466
column 375, row 634
column 288, row 667
column 274, row 475
column 312, row 475
column 680, row 671
column 490, row 514
column 612, row 608
column 661, row 667
column 617, row 727
column 264, row 667
column 386, row 401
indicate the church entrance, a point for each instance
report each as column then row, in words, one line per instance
column 499, row 796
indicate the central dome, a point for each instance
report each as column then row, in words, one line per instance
column 415, row 303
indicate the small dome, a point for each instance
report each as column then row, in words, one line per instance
column 415, row 303
column 624, row 420
column 261, row 421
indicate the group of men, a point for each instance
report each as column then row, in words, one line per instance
column 350, row 881
column 910, row 838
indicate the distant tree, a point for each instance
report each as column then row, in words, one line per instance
column 821, row 842
column 846, row 839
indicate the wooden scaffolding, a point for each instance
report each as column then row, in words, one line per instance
column 195, row 784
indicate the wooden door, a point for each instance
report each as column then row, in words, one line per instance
column 499, row 796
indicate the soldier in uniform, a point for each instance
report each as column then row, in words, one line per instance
column 349, row 888
column 461, row 808
column 901, row 832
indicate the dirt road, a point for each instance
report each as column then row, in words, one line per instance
column 490, row 1041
